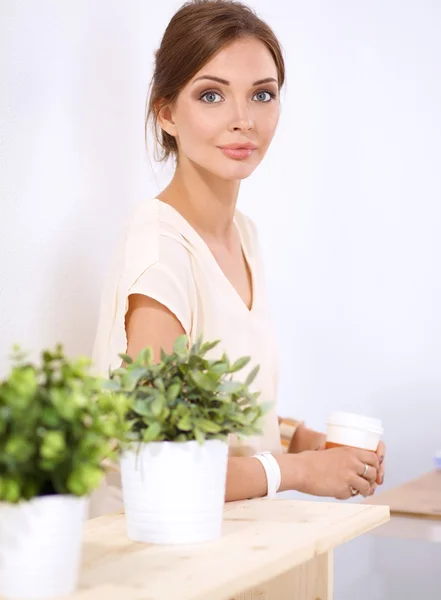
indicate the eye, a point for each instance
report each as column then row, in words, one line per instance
column 264, row 96
column 211, row 97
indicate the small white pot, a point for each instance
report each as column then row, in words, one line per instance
column 40, row 546
column 174, row 492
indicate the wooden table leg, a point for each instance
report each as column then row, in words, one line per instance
column 311, row 581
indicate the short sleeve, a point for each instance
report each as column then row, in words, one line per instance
column 170, row 281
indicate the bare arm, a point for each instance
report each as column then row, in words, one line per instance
column 246, row 477
column 329, row 473
column 149, row 323
column 306, row 439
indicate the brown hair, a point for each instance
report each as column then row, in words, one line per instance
column 199, row 30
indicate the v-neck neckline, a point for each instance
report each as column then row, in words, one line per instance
column 205, row 247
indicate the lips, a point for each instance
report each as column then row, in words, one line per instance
column 238, row 151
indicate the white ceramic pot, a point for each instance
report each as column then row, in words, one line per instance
column 174, row 492
column 40, row 546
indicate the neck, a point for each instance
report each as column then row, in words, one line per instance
column 207, row 202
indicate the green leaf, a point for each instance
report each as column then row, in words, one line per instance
column 19, row 448
column 208, row 426
column 53, row 445
column 9, row 490
column 50, row 417
column 199, row 436
column 133, row 376
column 239, row 364
column 252, row 375
column 141, row 407
column 218, row 369
column 173, row 392
column 110, row 385
column 84, row 479
column 126, row 358
column 48, row 465
column 50, row 411
column 180, row 346
column 159, row 384
column 224, row 398
column 208, row 346
column 225, row 359
column 158, row 405
column 184, row 395
column 203, row 381
column 185, row 423
column 146, row 356
column 230, row 387
column 152, row 433
column 29, row 490
column 195, row 349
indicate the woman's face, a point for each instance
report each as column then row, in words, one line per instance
column 224, row 119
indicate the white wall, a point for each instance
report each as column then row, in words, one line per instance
column 348, row 201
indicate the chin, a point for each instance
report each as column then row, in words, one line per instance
column 234, row 172
column 239, row 176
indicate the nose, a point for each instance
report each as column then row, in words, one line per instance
column 241, row 120
column 243, row 125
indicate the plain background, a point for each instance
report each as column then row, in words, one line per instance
column 347, row 202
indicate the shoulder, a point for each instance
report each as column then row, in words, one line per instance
column 152, row 236
column 160, row 266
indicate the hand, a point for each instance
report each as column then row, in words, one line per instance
column 306, row 439
column 381, row 453
column 338, row 471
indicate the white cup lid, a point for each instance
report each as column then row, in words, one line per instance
column 354, row 421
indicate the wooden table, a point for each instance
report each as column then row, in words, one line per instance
column 415, row 508
column 270, row 550
column 406, row 551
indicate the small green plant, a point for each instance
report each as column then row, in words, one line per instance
column 186, row 396
column 57, row 424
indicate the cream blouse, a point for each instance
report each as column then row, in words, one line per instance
column 163, row 257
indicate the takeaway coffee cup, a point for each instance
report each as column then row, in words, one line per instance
column 357, row 431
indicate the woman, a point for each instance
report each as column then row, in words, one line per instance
column 190, row 261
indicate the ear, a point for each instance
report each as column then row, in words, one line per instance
column 165, row 120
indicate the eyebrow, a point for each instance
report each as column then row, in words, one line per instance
column 225, row 82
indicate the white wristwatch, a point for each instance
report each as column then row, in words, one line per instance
column 272, row 471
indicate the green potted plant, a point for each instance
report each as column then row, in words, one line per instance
column 57, row 424
column 173, row 465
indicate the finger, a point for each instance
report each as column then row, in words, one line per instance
column 346, row 494
column 322, row 442
column 368, row 472
column 368, row 458
column 381, row 453
column 361, row 485
column 380, row 475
